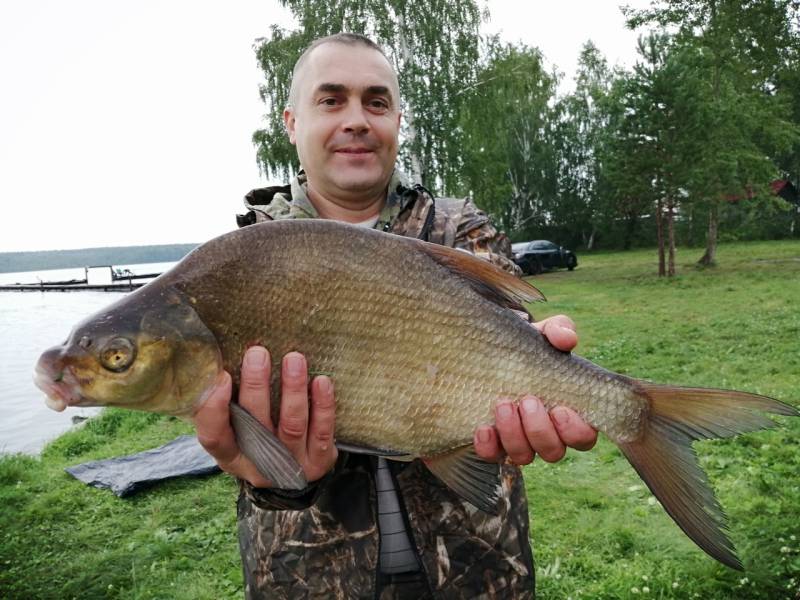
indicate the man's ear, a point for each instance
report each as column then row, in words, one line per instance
column 288, row 121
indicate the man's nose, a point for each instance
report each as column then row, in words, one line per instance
column 355, row 119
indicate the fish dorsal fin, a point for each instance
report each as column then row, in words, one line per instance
column 488, row 280
column 469, row 476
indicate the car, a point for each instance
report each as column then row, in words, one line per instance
column 541, row 255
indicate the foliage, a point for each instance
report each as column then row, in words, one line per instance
column 17, row 262
column 597, row 533
column 711, row 113
column 507, row 157
column 582, row 119
column 730, row 51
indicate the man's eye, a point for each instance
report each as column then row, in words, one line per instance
column 329, row 101
column 379, row 104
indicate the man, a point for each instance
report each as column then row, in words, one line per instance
column 366, row 527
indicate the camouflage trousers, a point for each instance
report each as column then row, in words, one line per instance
column 329, row 548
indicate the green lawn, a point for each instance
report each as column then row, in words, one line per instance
column 597, row 531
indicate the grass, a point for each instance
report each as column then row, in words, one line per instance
column 597, row 531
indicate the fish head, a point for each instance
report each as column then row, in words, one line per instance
column 147, row 352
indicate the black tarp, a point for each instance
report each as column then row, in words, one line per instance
column 126, row 475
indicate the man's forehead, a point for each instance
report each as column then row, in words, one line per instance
column 349, row 66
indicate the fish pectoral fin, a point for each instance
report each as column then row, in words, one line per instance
column 272, row 459
column 370, row 451
column 490, row 281
column 469, row 476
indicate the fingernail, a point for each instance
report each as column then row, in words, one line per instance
column 324, row 385
column 256, row 357
column 294, row 364
column 505, row 410
column 484, row 436
column 531, row 405
column 560, row 415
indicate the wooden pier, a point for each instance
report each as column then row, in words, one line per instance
column 77, row 287
column 119, row 281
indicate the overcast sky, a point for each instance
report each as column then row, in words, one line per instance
column 128, row 123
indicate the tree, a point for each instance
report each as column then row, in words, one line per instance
column 628, row 159
column 740, row 123
column 507, row 158
column 580, row 128
column 434, row 49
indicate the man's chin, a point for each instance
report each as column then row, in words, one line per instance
column 357, row 182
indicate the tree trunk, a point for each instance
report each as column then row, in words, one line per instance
column 708, row 259
column 630, row 231
column 671, row 240
column 660, row 233
column 417, row 175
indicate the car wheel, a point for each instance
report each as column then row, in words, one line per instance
column 534, row 267
column 572, row 262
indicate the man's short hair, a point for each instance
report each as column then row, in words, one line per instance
column 348, row 39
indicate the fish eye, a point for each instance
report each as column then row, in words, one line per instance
column 118, row 354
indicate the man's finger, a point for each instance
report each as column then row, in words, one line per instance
column 212, row 421
column 573, row 430
column 293, row 423
column 487, row 444
column 540, row 431
column 254, row 386
column 321, row 450
column 512, row 436
column 559, row 331
column 243, row 468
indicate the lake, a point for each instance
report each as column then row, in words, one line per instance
column 31, row 322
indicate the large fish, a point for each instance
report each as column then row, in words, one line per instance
column 421, row 341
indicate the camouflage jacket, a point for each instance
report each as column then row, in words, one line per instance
column 323, row 542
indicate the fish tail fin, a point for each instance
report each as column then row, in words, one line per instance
column 664, row 458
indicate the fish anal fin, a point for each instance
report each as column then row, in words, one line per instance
column 488, row 280
column 469, row 476
column 268, row 453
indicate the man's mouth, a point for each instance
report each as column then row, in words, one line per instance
column 354, row 150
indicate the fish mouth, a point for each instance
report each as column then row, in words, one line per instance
column 62, row 390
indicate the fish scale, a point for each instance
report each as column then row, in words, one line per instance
column 377, row 409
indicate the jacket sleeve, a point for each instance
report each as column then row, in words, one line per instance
column 476, row 234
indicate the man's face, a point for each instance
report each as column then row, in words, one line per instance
column 345, row 121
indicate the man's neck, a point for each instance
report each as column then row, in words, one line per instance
column 356, row 210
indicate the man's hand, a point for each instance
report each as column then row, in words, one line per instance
column 523, row 431
column 306, row 428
